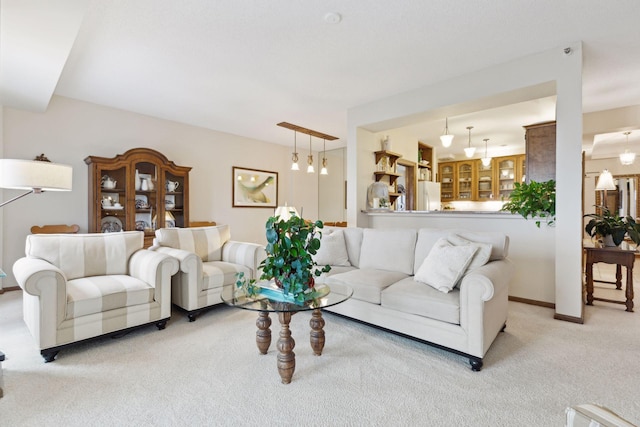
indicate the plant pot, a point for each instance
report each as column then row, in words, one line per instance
column 607, row 241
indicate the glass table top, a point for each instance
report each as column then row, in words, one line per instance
column 233, row 296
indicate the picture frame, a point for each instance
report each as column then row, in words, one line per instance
column 254, row 188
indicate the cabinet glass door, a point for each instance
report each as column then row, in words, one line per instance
column 506, row 176
column 465, row 180
column 146, row 199
column 112, row 200
column 446, row 182
column 174, row 201
column 485, row 182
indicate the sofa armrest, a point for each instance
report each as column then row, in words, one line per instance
column 243, row 253
column 32, row 274
column 156, row 269
column 488, row 280
column 188, row 260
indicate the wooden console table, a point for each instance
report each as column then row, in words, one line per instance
column 620, row 258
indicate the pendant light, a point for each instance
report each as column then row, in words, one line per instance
column 446, row 138
column 294, row 157
column 469, row 151
column 486, row 160
column 324, row 171
column 627, row 158
column 310, row 168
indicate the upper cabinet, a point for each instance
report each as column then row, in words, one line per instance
column 425, row 162
column 509, row 170
column 485, row 180
column 138, row 190
column 465, row 172
column 541, row 151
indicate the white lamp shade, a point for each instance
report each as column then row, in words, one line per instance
column 446, row 140
column 469, row 151
column 486, row 161
column 627, row 158
column 285, row 212
column 605, row 181
column 295, row 167
column 32, row 174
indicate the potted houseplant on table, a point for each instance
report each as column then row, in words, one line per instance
column 291, row 244
column 533, row 199
column 612, row 228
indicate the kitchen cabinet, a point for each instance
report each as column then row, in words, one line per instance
column 485, row 179
column 446, row 175
column 509, row 170
column 425, row 162
column 465, row 173
column 138, row 190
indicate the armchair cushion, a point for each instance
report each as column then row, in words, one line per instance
column 218, row 273
column 96, row 294
column 206, row 242
column 86, row 255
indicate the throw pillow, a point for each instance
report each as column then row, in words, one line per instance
column 482, row 255
column 333, row 249
column 445, row 265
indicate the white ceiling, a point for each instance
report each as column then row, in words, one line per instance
column 241, row 66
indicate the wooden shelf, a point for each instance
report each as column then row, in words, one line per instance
column 392, row 176
column 390, row 154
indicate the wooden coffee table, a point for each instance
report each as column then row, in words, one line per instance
column 286, row 343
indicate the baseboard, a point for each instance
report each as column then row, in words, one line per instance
column 566, row 318
column 533, row 302
column 11, row 288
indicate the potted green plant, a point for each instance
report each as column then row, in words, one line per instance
column 289, row 263
column 533, row 200
column 612, row 226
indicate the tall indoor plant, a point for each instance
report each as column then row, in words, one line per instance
column 291, row 244
column 533, row 200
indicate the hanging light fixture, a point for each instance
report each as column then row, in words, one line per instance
column 294, row 157
column 324, row 171
column 310, row 168
column 446, row 138
column 469, row 151
column 627, row 158
column 486, row 160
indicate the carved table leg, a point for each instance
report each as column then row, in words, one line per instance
column 263, row 334
column 629, row 290
column 317, row 333
column 619, row 276
column 589, row 277
column 286, row 356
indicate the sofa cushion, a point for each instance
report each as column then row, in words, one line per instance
column 97, row 294
column 333, row 249
column 336, row 269
column 445, row 265
column 353, row 240
column 84, row 255
column 390, row 250
column 427, row 237
column 413, row 297
column 206, row 242
column 481, row 256
column 366, row 283
column 219, row 273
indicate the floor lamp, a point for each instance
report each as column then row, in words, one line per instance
column 34, row 176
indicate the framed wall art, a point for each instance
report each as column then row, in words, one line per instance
column 254, row 188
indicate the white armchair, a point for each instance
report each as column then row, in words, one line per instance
column 208, row 261
column 80, row 286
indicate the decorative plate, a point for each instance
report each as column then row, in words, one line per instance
column 141, row 225
column 141, row 202
column 111, row 224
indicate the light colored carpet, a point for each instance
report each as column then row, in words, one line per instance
column 210, row 373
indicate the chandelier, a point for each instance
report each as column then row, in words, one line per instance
column 469, row 151
column 627, row 158
column 294, row 157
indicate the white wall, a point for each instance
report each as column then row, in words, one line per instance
column 491, row 86
column 71, row 130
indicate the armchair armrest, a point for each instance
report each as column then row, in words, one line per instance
column 243, row 253
column 155, row 269
column 34, row 275
column 188, row 260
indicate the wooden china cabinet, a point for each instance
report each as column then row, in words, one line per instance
column 138, row 190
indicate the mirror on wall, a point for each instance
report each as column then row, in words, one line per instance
column 332, row 189
column 624, row 199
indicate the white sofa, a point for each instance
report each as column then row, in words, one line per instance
column 380, row 266
column 209, row 259
column 81, row 286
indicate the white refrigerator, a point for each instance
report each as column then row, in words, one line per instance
column 428, row 196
